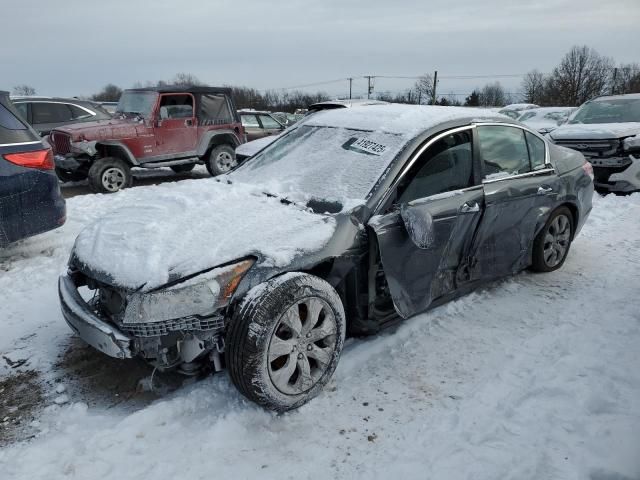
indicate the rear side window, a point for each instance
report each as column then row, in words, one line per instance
column 43, row 112
column 9, row 121
column 214, row 110
column 78, row 113
column 445, row 166
column 268, row 122
column 23, row 109
column 503, row 151
column 536, row 151
column 250, row 121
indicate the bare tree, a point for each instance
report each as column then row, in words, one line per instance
column 189, row 79
column 626, row 79
column 473, row 100
column 24, row 90
column 424, row 89
column 492, row 95
column 582, row 74
column 110, row 93
column 533, row 87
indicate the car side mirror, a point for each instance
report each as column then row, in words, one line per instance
column 419, row 225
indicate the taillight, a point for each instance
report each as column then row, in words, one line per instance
column 588, row 169
column 40, row 159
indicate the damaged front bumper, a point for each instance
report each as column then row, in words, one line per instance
column 93, row 330
column 617, row 174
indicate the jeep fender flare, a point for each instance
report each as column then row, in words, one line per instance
column 217, row 137
column 113, row 148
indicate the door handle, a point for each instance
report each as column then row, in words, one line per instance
column 188, row 122
column 470, row 208
column 544, row 190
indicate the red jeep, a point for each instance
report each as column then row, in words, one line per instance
column 175, row 127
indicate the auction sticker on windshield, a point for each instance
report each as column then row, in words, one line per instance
column 363, row 145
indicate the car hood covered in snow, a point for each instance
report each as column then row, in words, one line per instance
column 196, row 227
column 595, row 131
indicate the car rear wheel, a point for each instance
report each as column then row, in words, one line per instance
column 109, row 175
column 184, row 168
column 551, row 246
column 284, row 342
column 221, row 160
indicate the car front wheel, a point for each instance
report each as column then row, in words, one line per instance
column 551, row 246
column 284, row 342
column 221, row 160
column 108, row 175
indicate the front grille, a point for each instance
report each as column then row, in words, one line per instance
column 155, row 329
column 61, row 143
column 592, row 148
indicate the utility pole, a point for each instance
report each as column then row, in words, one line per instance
column 435, row 84
column 369, row 86
column 350, row 84
column 613, row 83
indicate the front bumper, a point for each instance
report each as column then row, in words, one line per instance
column 619, row 174
column 93, row 330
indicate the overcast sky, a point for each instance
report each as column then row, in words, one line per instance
column 74, row 47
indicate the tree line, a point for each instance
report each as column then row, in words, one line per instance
column 582, row 74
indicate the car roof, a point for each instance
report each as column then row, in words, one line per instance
column 628, row 96
column 181, row 89
column 402, row 119
column 52, row 99
column 347, row 103
column 248, row 111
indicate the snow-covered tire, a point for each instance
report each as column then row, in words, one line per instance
column 109, row 175
column 260, row 335
column 551, row 245
column 221, row 160
column 184, row 168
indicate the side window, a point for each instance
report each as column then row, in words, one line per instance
column 250, row 121
column 268, row 122
column 176, row 106
column 536, row 151
column 445, row 166
column 214, row 110
column 503, row 151
column 22, row 108
column 78, row 113
column 43, row 112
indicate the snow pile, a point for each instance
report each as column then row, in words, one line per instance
column 196, row 226
column 534, row 377
column 595, row 131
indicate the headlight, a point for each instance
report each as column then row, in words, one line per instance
column 201, row 295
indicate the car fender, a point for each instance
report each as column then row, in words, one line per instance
column 120, row 150
column 217, row 137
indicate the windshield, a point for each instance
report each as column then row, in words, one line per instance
column 140, row 103
column 608, row 111
column 328, row 163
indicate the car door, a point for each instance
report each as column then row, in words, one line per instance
column 270, row 125
column 520, row 187
column 252, row 127
column 176, row 129
column 425, row 236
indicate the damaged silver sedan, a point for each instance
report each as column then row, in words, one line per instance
column 353, row 220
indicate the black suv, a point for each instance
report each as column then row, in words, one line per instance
column 44, row 114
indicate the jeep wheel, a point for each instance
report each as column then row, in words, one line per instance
column 184, row 168
column 284, row 342
column 70, row 176
column 109, row 175
column 221, row 160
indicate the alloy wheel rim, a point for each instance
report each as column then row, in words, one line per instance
column 556, row 240
column 302, row 346
column 113, row 179
column 225, row 161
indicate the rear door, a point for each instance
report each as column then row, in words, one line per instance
column 176, row 128
column 520, row 188
column 437, row 199
column 252, row 127
column 270, row 125
column 45, row 116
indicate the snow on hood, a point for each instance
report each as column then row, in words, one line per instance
column 249, row 149
column 595, row 131
column 194, row 227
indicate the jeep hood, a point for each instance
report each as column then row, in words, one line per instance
column 193, row 227
column 112, row 128
column 595, row 131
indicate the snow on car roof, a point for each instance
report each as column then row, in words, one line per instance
column 399, row 119
column 628, row 96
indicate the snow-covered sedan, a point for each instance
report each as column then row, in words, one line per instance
column 349, row 221
column 545, row 119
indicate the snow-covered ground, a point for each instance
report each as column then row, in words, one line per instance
column 534, row 377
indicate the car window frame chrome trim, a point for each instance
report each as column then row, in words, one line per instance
column 19, row 144
column 93, row 114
